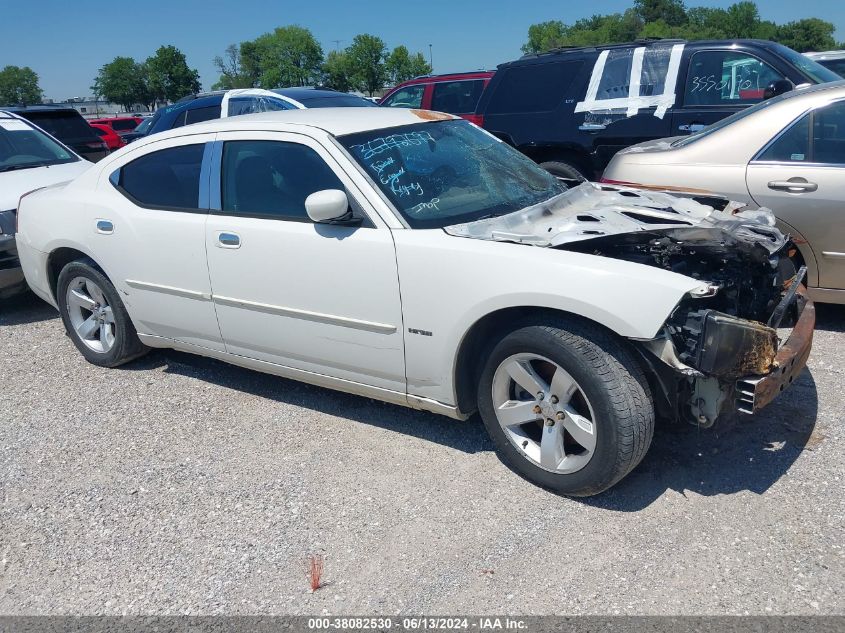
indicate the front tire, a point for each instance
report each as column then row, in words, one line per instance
column 95, row 317
column 567, row 406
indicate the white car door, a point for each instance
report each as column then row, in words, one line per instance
column 150, row 237
column 316, row 297
column 800, row 175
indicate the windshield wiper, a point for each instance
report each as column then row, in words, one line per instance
column 26, row 166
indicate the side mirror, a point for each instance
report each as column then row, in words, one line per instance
column 777, row 87
column 329, row 206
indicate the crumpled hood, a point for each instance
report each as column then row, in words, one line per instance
column 593, row 210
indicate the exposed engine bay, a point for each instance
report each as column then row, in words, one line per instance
column 721, row 342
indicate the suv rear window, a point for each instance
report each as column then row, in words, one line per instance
column 124, row 125
column 533, row 87
column 63, row 124
column 457, row 97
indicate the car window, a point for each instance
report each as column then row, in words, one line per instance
column 124, row 125
column 251, row 105
column 272, row 179
column 100, row 131
column 792, row 146
column 339, row 101
column 22, row 146
column 407, row 97
column 829, row 134
column 836, row 65
column 457, row 97
column 63, row 124
column 197, row 115
column 179, row 121
column 727, row 78
column 533, row 87
column 166, row 179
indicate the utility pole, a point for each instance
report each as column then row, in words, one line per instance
column 430, row 59
column 337, row 44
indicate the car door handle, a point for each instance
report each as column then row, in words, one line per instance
column 105, row 227
column 691, row 127
column 228, row 240
column 592, row 127
column 793, row 186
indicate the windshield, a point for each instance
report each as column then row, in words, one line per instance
column 812, row 69
column 448, row 172
column 22, row 146
column 144, row 125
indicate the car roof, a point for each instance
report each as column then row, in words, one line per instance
column 825, row 55
column 335, row 121
column 648, row 42
column 472, row 74
column 38, row 108
column 308, row 93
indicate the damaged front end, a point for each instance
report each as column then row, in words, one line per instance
column 743, row 336
column 727, row 345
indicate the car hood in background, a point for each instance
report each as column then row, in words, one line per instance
column 591, row 210
column 13, row 184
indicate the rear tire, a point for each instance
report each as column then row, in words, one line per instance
column 586, row 438
column 94, row 316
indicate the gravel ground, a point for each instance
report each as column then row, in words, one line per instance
column 179, row 484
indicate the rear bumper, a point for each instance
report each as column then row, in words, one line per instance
column 754, row 393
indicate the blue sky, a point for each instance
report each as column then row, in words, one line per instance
column 76, row 38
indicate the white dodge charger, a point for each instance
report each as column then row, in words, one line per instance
column 411, row 257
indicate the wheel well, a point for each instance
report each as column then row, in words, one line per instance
column 58, row 259
column 566, row 155
column 486, row 333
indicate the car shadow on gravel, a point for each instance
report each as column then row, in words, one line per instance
column 830, row 317
column 467, row 437
column 25, row 308
column 748, row 453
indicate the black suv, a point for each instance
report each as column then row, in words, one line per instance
column 572, row 109
column 67, row 125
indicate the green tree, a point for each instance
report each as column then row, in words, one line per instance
column 289, row 56
column 19, row 86
column 367, row 55
column 809, row 34
column 123, row 81
column 168, row 75
column 402, row 66
column 672, row 12
column 233, row 74
column 544, row 36
column 337, row 74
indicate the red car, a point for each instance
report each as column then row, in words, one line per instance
column 120, row 124
column 112, row 139
column 456, row 93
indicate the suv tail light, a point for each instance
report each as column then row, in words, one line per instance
column 478, row 119
column 96, row 145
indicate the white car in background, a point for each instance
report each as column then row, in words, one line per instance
column 411, row 257
column 29, row 159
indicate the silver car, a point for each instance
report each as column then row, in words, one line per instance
column 787, row 154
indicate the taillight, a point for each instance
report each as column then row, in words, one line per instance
column 478, row 119
column 18, row 212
